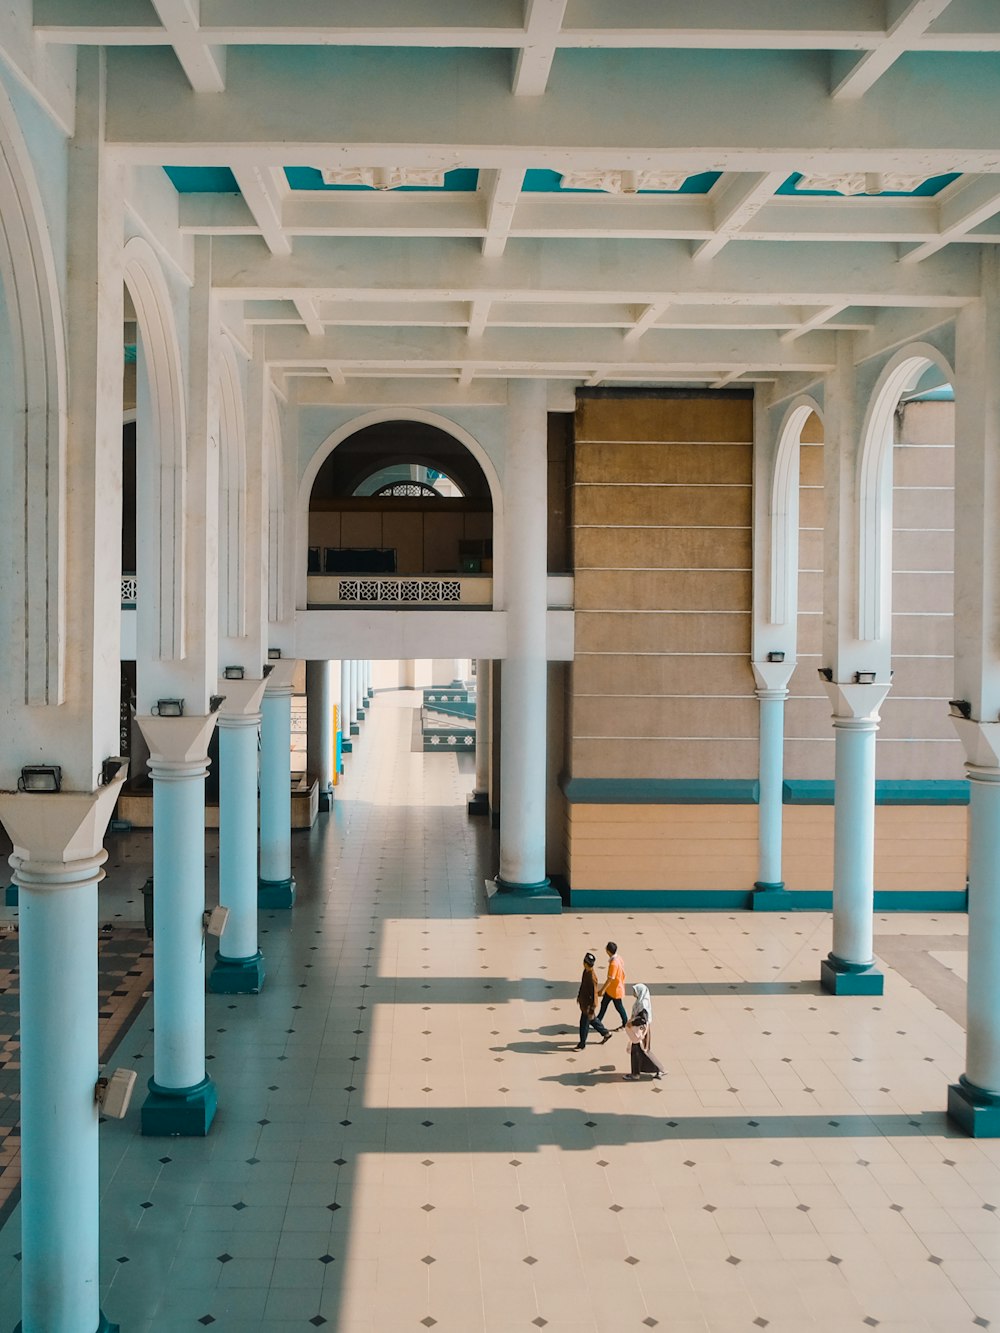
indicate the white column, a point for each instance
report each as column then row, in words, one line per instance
column 319, row 725
column 57, row 864
column 974, row 1101
column 850, row 967
column 239, row 963
column 525, row 677
column 345, row 706
column 479, row 798
column 355, row 696
column 277, row 887
column 772, row 691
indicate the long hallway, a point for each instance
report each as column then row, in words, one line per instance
column 406, row 1138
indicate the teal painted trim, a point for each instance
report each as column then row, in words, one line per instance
column 658, row 899
column 10, row 896
column 346, row 747
column 355, row 729
column 276, row 893
column 202, row 180
column 105, row 1325
column 237, row 976
column 931, row 186
column 539, row 180
column 767, row 900
column 887, row 792
column 311, row 178
column 187, row 1112
column 661, row 791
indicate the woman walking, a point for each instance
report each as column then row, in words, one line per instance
column 587, row 1000
column 637, row 1034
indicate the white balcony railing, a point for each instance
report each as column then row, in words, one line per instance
column 130, row 589
column 399, row 590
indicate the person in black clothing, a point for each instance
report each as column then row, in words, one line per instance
column 587, row 1000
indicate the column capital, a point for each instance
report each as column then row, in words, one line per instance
column 279, row 679
column 772, row 677
column 855, row 703
column 59, row 834
column 178, row 746
column 241, row 698
column 981, row 742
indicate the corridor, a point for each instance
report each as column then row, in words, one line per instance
column 406, row 1139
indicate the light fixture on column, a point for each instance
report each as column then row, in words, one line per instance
column 266, row 669
column 215, row 702
column 233, row 673
column 826, row 673
column 114, row 1094
column 776, row 657
column 169, row 708
column 865, row 677
column 274, row 654
column 40, row 777
column 213, row 920
column 960, row 708
column 111, row 767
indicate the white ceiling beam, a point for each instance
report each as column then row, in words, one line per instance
column 640, row 273
column 734, row 201
column 382, row 391
column 503, row 190
column 336, row 374
column 912, row 20
column 815, row 321
column 263, row 189
column 649, row 316
column 203, row 63
column 308, row 312
column 533, row 63
column 479, row 313
column 326, row 114
column 969, row 204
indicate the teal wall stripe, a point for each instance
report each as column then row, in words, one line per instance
column 801, row 900
column 887, row 792
column 660, row 791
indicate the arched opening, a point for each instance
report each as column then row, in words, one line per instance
column 406, row 499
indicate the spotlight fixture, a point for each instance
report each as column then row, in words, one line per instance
column 111, row 768
column 215, row 702
column 232, row 673
column 266, row 669
column 826, row 673
column 169, row 708
column 960, row 708
column 865, row 677
column 274, row 654
column 114, row 1094
column 213, row 920
column 40, row 777
column 776, row 657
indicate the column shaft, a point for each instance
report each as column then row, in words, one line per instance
column 982, row 1061
column 239, row 965
column 277, row 888
column 319, row 724
column 345, row 706
column 59, row 1141
column 771, row 776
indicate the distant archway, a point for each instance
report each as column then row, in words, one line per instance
column 784, row 513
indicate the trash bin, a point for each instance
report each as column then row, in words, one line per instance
column 147, row 905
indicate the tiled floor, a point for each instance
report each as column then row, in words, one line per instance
column 406, row 1139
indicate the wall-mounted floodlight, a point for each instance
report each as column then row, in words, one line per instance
column 40, row 777
column 274, row 654
column 960, row 708
column 214, row 919
column 233, row 673
column 215, row 702
column 776, row 657
column 114, row 1094
column 266, row 669
column 865, row 677
column 826, row 673
column 169, row 708
column 111, row 768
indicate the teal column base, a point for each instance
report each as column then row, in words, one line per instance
column 838, row 977
column 345, row 747
column 325, row 802
column 366, row 702
column 770, row 897
column 10, row 896
column 522, row 899
column 275, row 893
column 237, row 976
column 974, row 1110
column 184, row 1112
column 479, row 803
column 105, row 1326
column 355, row 729
column 371, row 694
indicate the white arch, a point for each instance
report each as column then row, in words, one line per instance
column 232, row 496
column 35, row 417
column 160, row 449
column 375, row 418
column 274, row 458
column 784, row 513
column 874, row 486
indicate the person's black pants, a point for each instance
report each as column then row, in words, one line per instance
column 586, row 1022
column 618, row 1005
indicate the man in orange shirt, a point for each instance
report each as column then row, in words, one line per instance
column 613, row 990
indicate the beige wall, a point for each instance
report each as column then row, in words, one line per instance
column 661, row 685
column 425, row 541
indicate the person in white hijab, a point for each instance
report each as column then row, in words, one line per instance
column 638, row 1036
